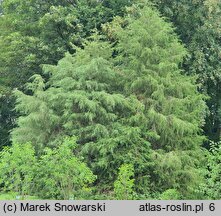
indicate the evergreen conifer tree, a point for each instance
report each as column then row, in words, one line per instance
column 37, row 32
column 127, row 104
column 149, row 55
column 198, row 25
column 85, row 99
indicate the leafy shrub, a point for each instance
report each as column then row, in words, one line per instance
column 61, row 174
column 212, row 186
column 123, row 186
column 17, row 165
column 170, row 194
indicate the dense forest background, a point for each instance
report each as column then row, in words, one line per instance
column 110, row 99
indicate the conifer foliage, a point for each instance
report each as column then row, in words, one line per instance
column 127, row 102
column 150, row 55
column 37, row 32
column 198, row 25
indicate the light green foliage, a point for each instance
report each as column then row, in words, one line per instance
column 212, row 187
column 123, row 186
column 85, row 100
column 58, row 173
column 170, row 194
column 37, row 128
column 62, row 175
column 149, row 56
column 36, row 32
column 17, row 165
column 131, row 107
column 174, row 109
column 180, row 170
column 12, row 196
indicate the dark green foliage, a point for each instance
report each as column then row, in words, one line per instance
column 205, row 61
column 117, row 7
column 7, row 116
column 186, row 15
column 42, row 31
column 198, row 25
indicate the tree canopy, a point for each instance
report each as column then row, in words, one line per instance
column 110, row 99
column 136, row 101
